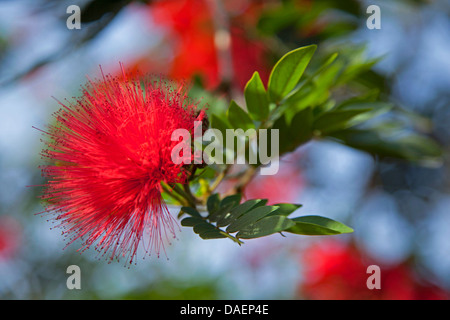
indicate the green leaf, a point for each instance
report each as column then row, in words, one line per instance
column 250, row 217
column 410, row 146
column 256, row 98
column 378, row 108
column 225, row 206
column 235, row 199
column 316, row 89
column 301, row 127
column 329, row 60
column 238, row 118
column 213, row 203
column 212, row 234
column 191, row 221
column 285, row 209
column 219, row 124
column 222, row 211
column 284, row 135
column 295, row 133
column 287, row 72
column 191, row 211
column 337, row 119
column 203, row 227
column 317, row 225
column 237, row 212
column 253, row 219
column 265, row 227
column 356, row 68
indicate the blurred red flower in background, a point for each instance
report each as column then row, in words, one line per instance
column 108, row 153
column 338, row 271
column 284, row 186
column 194, row 34
column 10, row 237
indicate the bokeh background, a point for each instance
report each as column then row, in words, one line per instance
column 399, row 210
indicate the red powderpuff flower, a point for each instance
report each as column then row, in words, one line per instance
column 108, row 153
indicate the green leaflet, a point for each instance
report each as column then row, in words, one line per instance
column 287, row 72
column 285, row 209
column 317, row 225
column 238, row 118
column 256, row 98
column 408, row 146
column 254, row 219
column 191, row 211
column 213, row 203
column 236, row 212
column 265, row 227
column 249, row 218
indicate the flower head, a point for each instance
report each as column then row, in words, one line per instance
column 108, row 153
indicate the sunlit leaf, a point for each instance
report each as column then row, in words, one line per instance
column 285, row 209
column 256, row 98
column 265, row 227
column 317, row 225
column 236, row 212
column 250, row 217
column 238, row 118
column 287, row 72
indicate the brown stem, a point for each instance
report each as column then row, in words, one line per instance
column 245, row 179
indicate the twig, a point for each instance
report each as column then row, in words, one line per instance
column 173, row 195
